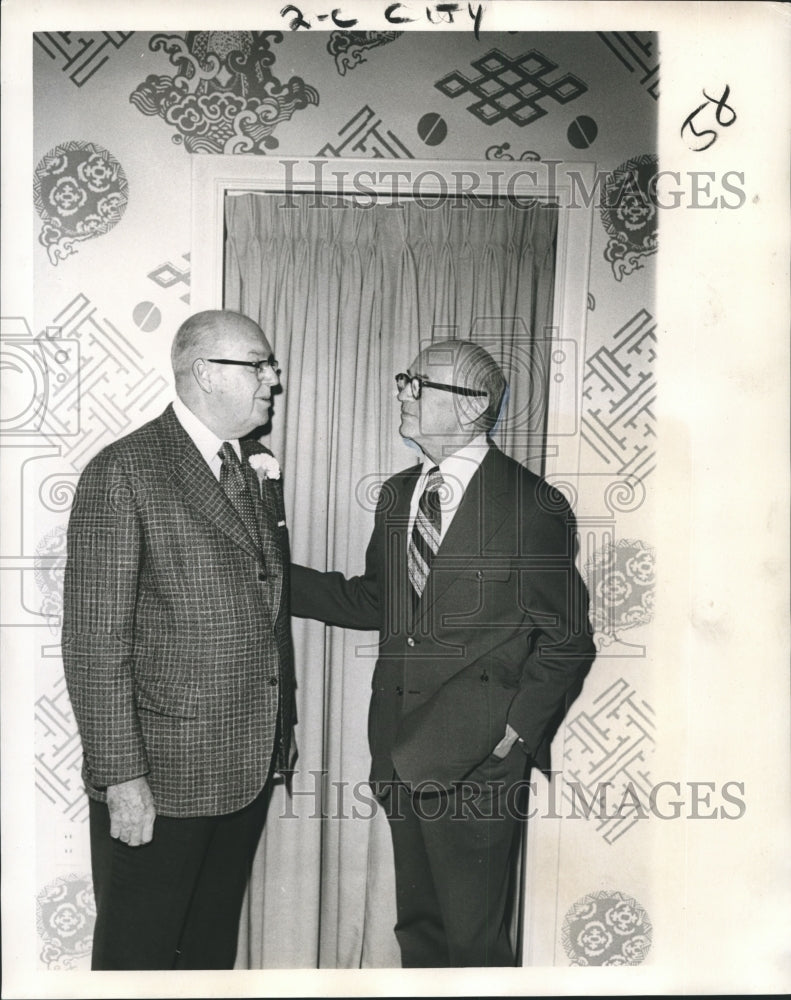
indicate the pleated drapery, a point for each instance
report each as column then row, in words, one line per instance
column 347, row 296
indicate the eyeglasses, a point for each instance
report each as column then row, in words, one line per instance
column 268, row 366
column 416, row 384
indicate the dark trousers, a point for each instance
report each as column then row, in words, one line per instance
column 175, row 902
column 454, row 865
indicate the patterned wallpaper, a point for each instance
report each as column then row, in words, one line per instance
column 117, row 116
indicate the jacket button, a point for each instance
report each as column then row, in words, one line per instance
column 410, row 641
column 262, row 576
column 479, row 574
column 485, row 677
column 399, row 691
column 273, row 681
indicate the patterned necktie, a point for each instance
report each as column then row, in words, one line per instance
column 233, row 482
column 425, row 538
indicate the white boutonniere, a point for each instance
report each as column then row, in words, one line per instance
column 266, row 466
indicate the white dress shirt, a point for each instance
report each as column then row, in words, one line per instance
column 457, row 471
column 206, row 441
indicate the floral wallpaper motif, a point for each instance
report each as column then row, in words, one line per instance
column 629, row 214
column 80, row 191
column 223, row 97
column 348, row 48
column 620, row 579
column 501, row 152
column 65, row 915
column 50, row 563
column 606, row 928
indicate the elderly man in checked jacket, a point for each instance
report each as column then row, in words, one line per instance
column 177, row 653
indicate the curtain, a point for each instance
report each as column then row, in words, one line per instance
column 347, row 296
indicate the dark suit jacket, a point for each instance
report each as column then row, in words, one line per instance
column 176, row 633
column 501, row 633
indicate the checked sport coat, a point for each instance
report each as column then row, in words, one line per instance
column 500, row 634
column 176, row 632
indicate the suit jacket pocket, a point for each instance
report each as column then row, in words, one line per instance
column 442, row 740
column 164, row 697
column 499, row 573
column 468, row 597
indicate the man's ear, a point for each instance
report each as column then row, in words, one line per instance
column 472, row 408
column 200, row 372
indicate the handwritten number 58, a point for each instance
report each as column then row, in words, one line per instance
column 724, row 115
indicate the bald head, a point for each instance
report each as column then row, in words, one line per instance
column 207, row 333
column 475, row 368
column 464, row 363
column 461, row 390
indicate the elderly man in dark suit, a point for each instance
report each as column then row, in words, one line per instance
column 177, row 653
column 484, row 640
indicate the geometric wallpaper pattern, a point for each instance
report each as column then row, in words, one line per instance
column 170, row 275
column 512, row 89
column 97, row 387
column 112, row 390
column 607, row 752
column 619, row 395
column 636, row 50
column 59, row 753
column 81, row 54
column 365, row 135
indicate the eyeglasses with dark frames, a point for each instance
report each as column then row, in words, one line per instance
column 264, row 367
column 417, row 384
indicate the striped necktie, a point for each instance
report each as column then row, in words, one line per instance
column 426, row 531
column 233, row 482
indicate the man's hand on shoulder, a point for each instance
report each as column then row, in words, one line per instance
column 132, row 811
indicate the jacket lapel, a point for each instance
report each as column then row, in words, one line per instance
column 194, row 480
column 397, row 547
column 486, row 504
column 403, row 498
column 269, row 511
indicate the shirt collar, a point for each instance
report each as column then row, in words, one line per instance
column 462, row 465
column 205, row 440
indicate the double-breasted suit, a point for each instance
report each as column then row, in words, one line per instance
column 499, row 636
column 176, row 635
column 501, row 633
